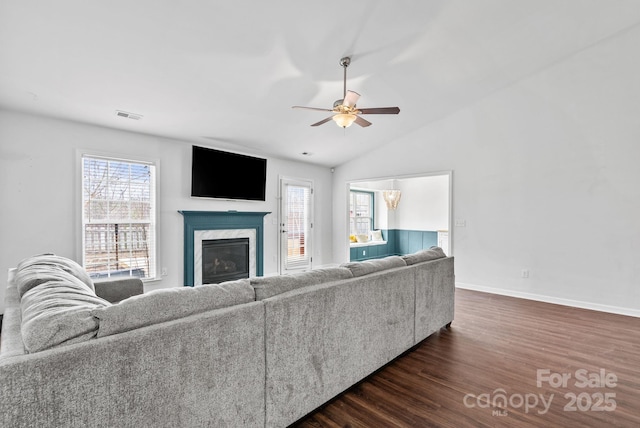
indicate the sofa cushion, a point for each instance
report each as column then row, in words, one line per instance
column 42, row 268
column 374, row 265
column 170, row 303
column 58, row 312
column 119, row 289
column 424, row 255
column 268, row 286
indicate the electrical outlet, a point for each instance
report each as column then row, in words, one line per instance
column 364, row 252
column 525, row 273
column 461, row 222
column 165, row 271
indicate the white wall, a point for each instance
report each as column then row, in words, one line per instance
column 424, row 204
column 38, row 185
column 546, row 176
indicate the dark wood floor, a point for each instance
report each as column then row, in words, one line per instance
column 498, row 347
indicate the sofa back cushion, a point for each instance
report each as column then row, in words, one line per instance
column 119, row 289
column 374, row 265
column 170, row 303
column 58, row 312
column 42, row 268
column 424, row 255
column 268, row 286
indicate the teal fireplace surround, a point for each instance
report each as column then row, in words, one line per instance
column 219, row 220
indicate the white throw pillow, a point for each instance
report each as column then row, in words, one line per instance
column 362, row 238
column 376, row 235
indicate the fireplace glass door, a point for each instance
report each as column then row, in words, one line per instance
column 225, row 260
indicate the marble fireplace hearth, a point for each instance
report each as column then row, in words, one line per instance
column 202, row 226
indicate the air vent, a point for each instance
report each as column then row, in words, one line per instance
column 128, row 115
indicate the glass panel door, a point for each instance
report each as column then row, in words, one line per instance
column 296, row 224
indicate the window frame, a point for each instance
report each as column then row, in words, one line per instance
column 155, row 270
column 372, row 205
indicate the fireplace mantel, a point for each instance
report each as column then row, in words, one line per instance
column 220, row 220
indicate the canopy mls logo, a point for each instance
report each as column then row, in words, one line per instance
column 594, row 398
column 499, row 401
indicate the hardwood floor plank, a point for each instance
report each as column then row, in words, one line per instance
column 498, row 344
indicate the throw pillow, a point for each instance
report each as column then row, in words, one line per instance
column 376, row 235
column 424, row 255
column 42, row 268
column 374, row 265
column 58, row 312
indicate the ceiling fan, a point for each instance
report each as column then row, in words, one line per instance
column 345, row 110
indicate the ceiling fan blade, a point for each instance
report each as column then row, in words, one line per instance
column 323, row 121
column 350, row 99
column 380, row 110
column 313, row 108
column 362, row 122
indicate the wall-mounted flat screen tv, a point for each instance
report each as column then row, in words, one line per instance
column 226, row 175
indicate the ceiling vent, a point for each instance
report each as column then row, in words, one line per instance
column 128, row 115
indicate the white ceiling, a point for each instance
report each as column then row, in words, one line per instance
column 225, row 74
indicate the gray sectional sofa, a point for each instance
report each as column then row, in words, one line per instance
column 256, row 352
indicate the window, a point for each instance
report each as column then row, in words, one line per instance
column 118, row 218
column 360, row 212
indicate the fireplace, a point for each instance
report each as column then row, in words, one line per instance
column 224, row 260
column 203, row 226
column 201, row 237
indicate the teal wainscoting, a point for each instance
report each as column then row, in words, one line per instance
column 370, row 252
column 410, row 241
column 399, row 242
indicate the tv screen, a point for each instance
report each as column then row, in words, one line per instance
column 225, row 175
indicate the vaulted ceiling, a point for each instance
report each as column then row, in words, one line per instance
column 225, row 74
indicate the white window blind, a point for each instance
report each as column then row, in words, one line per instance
column 118, row 218
column 298, row 226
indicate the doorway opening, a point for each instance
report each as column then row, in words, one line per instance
column 417, row 215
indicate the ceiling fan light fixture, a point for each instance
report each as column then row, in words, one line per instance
column 345, row 109
column 344, row 120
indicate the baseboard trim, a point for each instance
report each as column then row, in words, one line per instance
column 550, row 299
